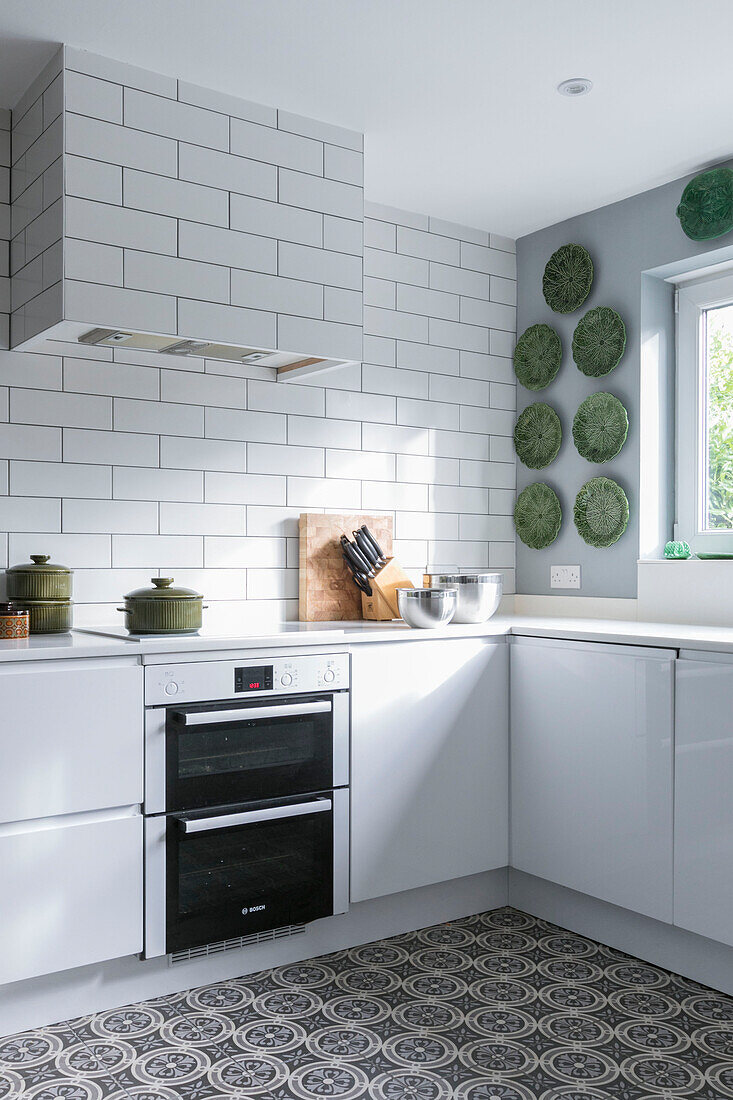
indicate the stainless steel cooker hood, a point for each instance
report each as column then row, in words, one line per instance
column 286, row 363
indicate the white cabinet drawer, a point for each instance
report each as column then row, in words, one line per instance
column 71, row 737
column 71, row 893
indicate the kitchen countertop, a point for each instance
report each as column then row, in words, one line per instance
column 89, row 644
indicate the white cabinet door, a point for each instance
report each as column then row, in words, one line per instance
column 703, row 828
column 71, row 737
column 591, row 768
column 429, row 778
column 71, row 893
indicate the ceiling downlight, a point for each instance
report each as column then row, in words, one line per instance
column 576, row 86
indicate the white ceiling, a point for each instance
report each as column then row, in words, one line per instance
column 456, row 97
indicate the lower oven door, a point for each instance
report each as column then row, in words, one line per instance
column 248, row 869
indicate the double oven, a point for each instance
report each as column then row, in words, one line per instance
column 246, row 798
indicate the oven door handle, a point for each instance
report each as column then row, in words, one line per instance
column 250, row 714
column 249, row 817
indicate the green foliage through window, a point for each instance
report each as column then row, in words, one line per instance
column 719, row 418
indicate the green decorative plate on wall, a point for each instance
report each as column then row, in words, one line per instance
column 568, row 278
column 537, row 436
column 599, row 341
column 706, row 207
column 601, row 512
column 537, row 357
column 600, row 427
column 537, row 516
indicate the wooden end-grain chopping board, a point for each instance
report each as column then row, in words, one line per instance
column 327, row 592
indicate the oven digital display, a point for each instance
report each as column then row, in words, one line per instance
column 257, row 678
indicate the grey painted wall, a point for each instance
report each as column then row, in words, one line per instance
column 627, row 239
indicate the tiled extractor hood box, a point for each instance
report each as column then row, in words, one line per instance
column 157, row 212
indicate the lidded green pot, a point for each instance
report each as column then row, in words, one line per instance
column 42, row 580
column 163, row 609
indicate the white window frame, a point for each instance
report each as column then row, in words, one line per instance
column 693, row 298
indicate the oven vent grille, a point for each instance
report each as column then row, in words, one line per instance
column 235, row 943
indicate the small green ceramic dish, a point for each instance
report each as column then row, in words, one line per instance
column 715, row 557
column 677, row 551
column 537, row 356
column 537, row 436
column 538, row 516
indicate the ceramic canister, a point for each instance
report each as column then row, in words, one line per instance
column 13, row 622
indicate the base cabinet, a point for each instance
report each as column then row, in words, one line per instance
column 71, row 893
column 429, row 782
column 703, row 828
column 591, row 769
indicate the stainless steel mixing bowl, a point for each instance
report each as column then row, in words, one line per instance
column 427, row 607
column 478, row 594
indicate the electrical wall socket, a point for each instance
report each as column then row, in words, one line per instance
column 564, row 576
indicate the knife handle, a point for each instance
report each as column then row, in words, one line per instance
column 366, row 548
column 377, row 548
column 355, row 556
column 359, row 579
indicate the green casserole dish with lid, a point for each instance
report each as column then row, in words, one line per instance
column 163, row 609
column 39, row 580
column 48, row 616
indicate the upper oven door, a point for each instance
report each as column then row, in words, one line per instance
column 222, row 753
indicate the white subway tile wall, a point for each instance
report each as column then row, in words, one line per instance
column 4, row 228
column 123, row 464
column 36, row 192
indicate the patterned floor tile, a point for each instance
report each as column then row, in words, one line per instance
column 52, row 1064
column 498, row 1006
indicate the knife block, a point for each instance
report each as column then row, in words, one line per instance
column 327, row 592
column 382, row 604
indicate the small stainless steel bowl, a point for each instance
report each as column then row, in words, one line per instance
column 427, row 607
column 479, row 594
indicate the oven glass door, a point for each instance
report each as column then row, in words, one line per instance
column 225, row 753
column 247, row 870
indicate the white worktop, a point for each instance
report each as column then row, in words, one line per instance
column 717, row 639
column 94, row 643
column 81, row 643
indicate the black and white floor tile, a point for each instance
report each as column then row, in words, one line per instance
column 498, row 1006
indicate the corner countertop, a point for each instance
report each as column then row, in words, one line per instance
column 89, row 644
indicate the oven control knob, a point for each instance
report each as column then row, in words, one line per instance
column 171, row 688
column 286, row 679
column 329, row 676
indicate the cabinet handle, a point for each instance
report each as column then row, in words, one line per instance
column 270, row 813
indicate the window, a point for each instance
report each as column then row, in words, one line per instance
column 705, row 415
